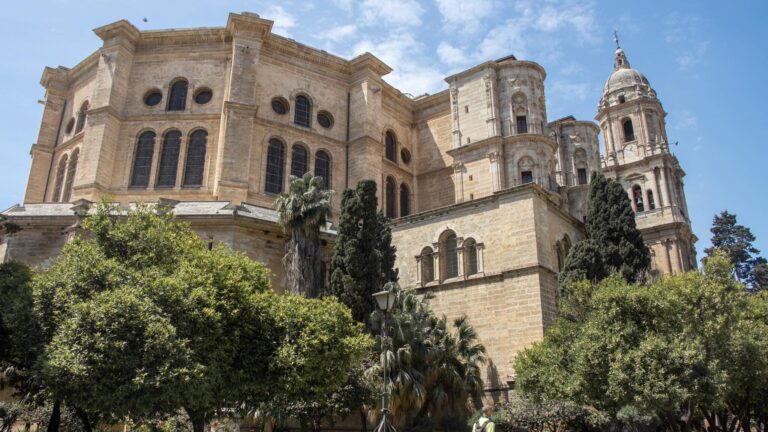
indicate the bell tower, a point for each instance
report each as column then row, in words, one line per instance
column 637, row 155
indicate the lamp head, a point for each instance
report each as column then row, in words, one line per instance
column 385, row 300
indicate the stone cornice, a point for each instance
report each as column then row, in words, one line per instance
column 368, row 61
column 497, row 65
column 194, row 36
column 108, row 110
column 237, row 106
column 289, row 128
column 40, row 148
column 117, row 29
column 475, row 146
column 248, row 22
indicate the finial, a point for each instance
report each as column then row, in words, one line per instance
column 616, row 38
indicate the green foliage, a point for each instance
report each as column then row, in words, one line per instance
column 303, row 211
column 363, row 257
column 614, row 244
column 137, row 333
column 736, row 241
column 688, row 349
column 433, row 365
column 523, row 415
column 19, row 331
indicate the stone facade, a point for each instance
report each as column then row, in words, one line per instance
column 486, row 194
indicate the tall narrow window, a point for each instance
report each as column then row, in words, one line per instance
column 651, row 203
column 427, row 266
column 142, row 160
column 450, row 256
column 390, row 198
column 71, row 171
column 303, row 111
column 526, row 177
column 275, row 159
column 298, row 160
column 405, row 195
column 323, row 167
column 177, row 100
column 470, row 257
column 522, row 124
column 582, row 172
column 169, row 159
column 390, row 146
column 81, row 117
column 629, row 130
column 637, row 196
column 60, row 173
column 194, row 166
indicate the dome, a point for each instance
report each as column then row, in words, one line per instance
column 625, row 77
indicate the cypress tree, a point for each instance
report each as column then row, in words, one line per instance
column 363, row 258
column 736, row 241
column 615, row 242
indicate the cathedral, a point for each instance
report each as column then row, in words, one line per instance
column 485, row 194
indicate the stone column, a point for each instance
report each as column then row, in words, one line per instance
column 418, row 270
column 41, row 171
column 460, row 257
column 675, row 255
column 454, row 91
column 104, row 116
column 480, row 258
column 495, row 168
column 664, row 185
column 490, row 99
column 236, row 130
column 458, row 181
column 437, row 274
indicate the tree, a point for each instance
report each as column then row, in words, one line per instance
column 434, row 366
column 736, row 241
column 616, row 243
column 303, row 211
column 184, row 326
column 363, row 256
column 686, row 352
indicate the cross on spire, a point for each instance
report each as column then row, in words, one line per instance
column 616, row 38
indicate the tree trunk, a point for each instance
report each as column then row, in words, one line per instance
column 363, row 421
column 198, row 420
column 55, row 420
column 84, row 419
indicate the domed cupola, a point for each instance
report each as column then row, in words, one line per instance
column 624, row 83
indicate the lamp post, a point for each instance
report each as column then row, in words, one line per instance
column 385, row 300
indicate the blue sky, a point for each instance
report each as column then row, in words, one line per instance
column 707, row 61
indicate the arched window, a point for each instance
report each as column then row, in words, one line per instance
column 566, row 245
column 169, row 159
column 275, row 159
column 629, row 130
column 60, row 173
column 637, row 197
column 390, row 198
column 177, row 100
column 302, row 111
column 450, row 256
column 470, row 257
column 405, row 195
column 298, row 160
column 71, row 171
column 651, row 203
column 427, row 266
column 560, row 255
column 142, row 161
column 622, row 99
column 323, row 167
column 194, row 166
column 390, row 146
column 81, row 117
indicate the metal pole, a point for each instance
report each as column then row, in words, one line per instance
column 384, row 425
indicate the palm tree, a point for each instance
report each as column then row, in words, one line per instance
column 303, row 211
column 434, row 369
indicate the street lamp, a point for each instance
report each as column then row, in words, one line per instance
column 385, row 300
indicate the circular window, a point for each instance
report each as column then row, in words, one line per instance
column 405, row 156
column 279, row 105
column 203, row 96
column 70, row 125
column 153, row 97
column 325, row 119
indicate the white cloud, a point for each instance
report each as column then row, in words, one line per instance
column 686, row 120
column 405, row 13
column 469, row 16
column 411, row 72
column 693, row 55
column 284, row 21
column 339, row 33
column 450, row 55
column 571, row 91
column 343, row 4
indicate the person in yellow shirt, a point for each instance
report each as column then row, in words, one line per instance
column 484, row 423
